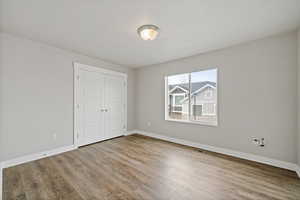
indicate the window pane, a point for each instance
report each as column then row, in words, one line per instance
column 178, row 101
column 204, row 96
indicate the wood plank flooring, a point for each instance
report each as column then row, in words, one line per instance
column 137, row 167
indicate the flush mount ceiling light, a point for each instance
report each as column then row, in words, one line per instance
column 148, row 32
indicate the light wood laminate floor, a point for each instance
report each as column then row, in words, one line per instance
column 139, row 167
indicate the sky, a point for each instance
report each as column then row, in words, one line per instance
column 205, row 75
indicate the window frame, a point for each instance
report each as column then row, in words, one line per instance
column 190, row 120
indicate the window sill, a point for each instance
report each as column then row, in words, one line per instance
column 194, row 122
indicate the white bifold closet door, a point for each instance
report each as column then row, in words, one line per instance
column 102, row 107
column 115, row 105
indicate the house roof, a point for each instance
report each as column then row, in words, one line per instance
column 195, row 86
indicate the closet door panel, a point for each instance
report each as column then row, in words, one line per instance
column 93, row 105
column 115, row 103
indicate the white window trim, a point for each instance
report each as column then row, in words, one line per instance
column 190, row 121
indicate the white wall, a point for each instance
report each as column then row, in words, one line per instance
column 257, row 97
column 36, row 90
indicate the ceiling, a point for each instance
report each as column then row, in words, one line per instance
column 106, row 29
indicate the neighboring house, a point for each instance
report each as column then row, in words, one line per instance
column 203, row 98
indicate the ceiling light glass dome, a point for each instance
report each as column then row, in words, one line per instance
column 148, row 32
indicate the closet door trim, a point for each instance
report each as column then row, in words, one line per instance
column 76, row 107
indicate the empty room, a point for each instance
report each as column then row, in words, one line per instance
column 150, row 100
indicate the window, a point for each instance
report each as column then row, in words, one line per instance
column 177, row 98
column 192, row 97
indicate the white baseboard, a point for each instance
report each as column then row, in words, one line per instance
column 30, row 157
column 36, row 156
column 130, row 132
column 246, row 156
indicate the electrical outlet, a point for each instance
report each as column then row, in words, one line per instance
column 259, row 142
column 255, row 141
column 148, row 123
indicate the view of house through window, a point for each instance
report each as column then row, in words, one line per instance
column 192, row 97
